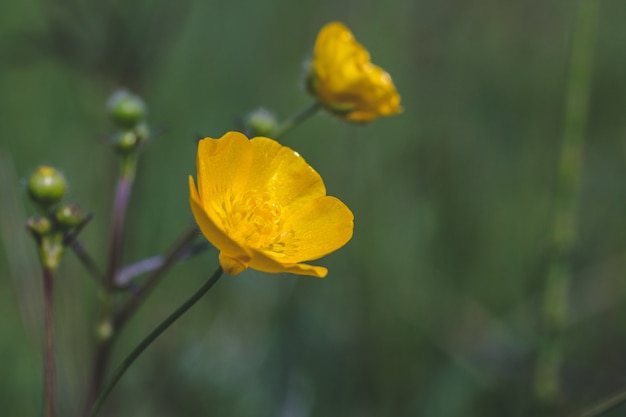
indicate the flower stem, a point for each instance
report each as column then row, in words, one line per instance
column 605, row 406
column 98, row 368
column 170, row 258
column 123, row 191
column 135, row 353
column 547, row 385
column 126, row 274
column 116, row 322
column 106, row 331
column 80, row 251
column 87, row 261
column 49, row 356
column 296, row 119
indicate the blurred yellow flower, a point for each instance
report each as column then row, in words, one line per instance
column 262, row 206
column 346, row 82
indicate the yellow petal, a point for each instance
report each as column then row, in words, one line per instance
column 346, row 82
column 222, row 164
column 283, row 174
column 335, row 47
column 211, row 231
column 320, row 227
column 262, row 262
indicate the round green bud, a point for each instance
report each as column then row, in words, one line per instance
column 261, row 122
column 129, row 140
column 46, row 186
column 104, row 331
column 142, row 131
column 125, row 141
column 38, row 226
column 69, row 216
column 126, row 109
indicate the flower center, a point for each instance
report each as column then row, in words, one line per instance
column 255, row 220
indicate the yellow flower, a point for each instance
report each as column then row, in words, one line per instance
column 262, row 206
column 346, row 82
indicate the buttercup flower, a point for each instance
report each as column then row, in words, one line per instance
column 346, row 82
column 262, row 206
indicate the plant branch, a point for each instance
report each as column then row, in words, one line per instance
column 150, row 283
column 49, row 350
column 296, row 119
column 137, row 351
column 547, row 385
column 123, row 191
column 126, row 274
column 113, row 325
column 605, row 406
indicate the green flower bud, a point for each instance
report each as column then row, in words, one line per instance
column 104, row 331
column 126, row 109
column 261, row 122
column 46, row 186
column 142, row 131
column 69, row 216
column 129, row 140
column 125, row 142
column 38, row 226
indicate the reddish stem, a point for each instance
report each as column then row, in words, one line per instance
column 120, row 207
column 49, row 362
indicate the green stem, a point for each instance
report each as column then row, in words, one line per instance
column 547, row 385
column 106, row 331
column 123, row 367
column 605, row 406
column 296, row 119
column 81, row 253
column 127, row 274
column 170, row 258
column 115, row 322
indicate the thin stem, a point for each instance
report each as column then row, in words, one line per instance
column 80, row 251
column 49, row 356
column 547, row 385
column 135, row 353
column 169, row 260
column 106, row 330
column 120, row 208
column 605, row 406
column 125, row 275
column 296, row 119
column 117, row 322
column 71, row 237
column 87, row 261
column 98, row 368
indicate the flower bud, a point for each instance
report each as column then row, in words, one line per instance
column 38, row 226
column 344, row 80
column 46, row 186
column 69, row 216
column 129, row 140
column 125, row 141
column 126, row 109
column 104, row 331
column 261, row 122
column 142, row 131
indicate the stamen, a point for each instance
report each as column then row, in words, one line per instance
column 255, row 220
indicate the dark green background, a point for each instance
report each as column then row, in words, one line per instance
column 430, row 310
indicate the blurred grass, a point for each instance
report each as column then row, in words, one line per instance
column 431, row 309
